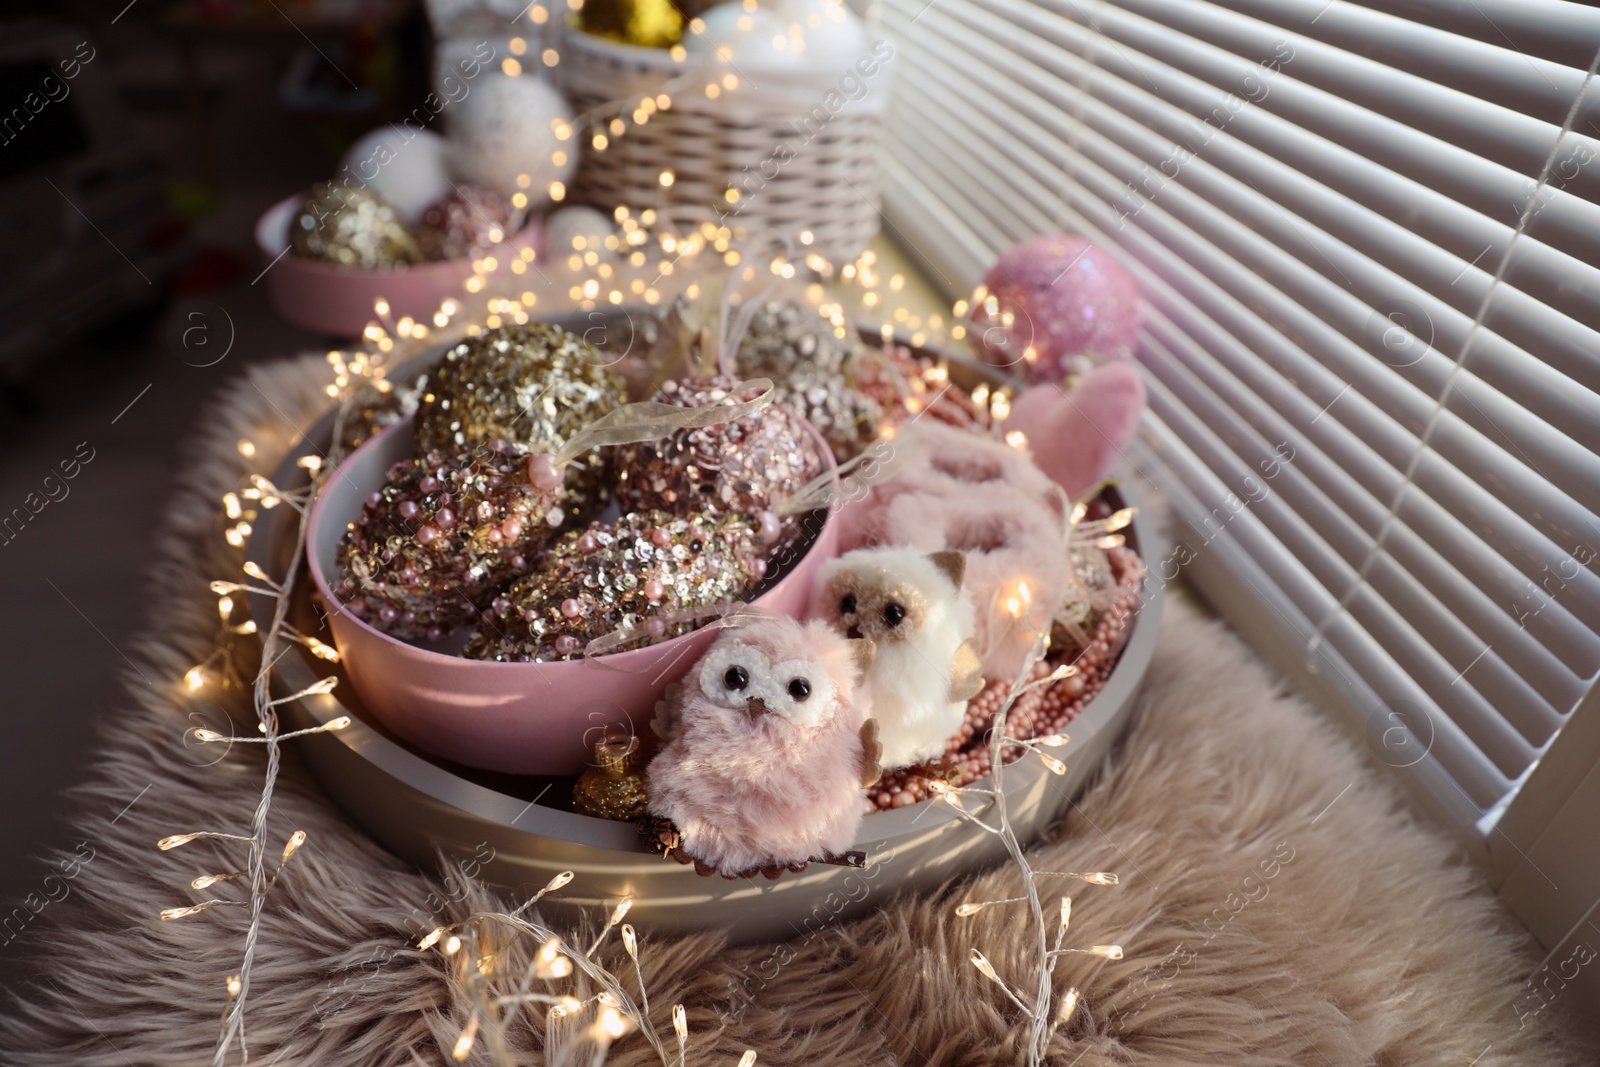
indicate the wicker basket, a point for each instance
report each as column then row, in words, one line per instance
column 826, row 183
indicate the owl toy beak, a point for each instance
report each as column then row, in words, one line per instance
column 757, row 707
column 854, row 633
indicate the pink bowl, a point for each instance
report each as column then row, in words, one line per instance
column 338, row 301
column 521, row 718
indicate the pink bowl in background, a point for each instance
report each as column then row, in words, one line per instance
column 338, row 301
column 520, row 718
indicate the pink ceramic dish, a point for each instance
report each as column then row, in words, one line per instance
column 338, row 301
column 521, row 718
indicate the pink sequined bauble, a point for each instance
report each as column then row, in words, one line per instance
column 1065, row 297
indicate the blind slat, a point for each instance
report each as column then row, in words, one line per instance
column 1529, row 84
column 1468, row 766
column 1450, row 647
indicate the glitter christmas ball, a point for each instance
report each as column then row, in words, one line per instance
column 375, row 405
column 812, row 368
column 1052, row 298
column 750, row 464
column 533, row 386
column 430, row 548
column 648, row 569
column 644, row 23
column 465, row 222
column 351, row 227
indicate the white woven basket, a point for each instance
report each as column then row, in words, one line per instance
column 800, row 147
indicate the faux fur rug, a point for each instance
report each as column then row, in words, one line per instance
column 1279, row 904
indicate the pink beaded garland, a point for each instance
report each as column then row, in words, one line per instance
column 1040, row 711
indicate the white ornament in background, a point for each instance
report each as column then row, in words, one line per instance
column 756, row 40
column 832, row 34
column 505, row 129
column 405, row 166
column 585, row 223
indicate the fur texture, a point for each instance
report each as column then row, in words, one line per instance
column 933, row 459
column 753, row 773
column 1376, row 944
column 912, row 687
column 954, row 489
column 1077, row 436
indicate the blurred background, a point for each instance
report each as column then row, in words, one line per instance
column 184, row 121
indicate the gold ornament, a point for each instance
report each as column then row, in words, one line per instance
column 351, row 227
column 615, row 788
column 645, row 23
column 535, row 386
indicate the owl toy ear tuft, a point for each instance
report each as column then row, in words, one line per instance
column 864, row 651
column 953, row 562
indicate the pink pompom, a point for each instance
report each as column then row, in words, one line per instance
column 1066, row 297
column 1077, row 436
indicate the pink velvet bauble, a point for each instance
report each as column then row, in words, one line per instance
column 1076, row 436
column 1066, row 297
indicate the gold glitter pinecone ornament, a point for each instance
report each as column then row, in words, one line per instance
column 615, row 788
column 351, row 227
column 534, row 386
column 645, row 23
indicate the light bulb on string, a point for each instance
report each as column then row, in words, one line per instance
column 463, row 1046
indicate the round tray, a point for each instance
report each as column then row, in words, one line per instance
column 520, row 830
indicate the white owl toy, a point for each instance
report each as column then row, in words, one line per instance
column 924, row 668
column 767, row 751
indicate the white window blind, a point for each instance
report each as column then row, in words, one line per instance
column 1367, row 237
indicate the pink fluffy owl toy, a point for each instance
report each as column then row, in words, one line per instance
column 767, row 751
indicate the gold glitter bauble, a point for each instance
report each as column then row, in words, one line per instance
column 351, row 227
column 646, row 23
column 615, row 788
column 375, row 406
column 533, row 386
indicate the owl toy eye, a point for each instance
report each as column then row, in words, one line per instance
column 799, row 689
column 847, row 604
column 893, row 614
column 736, row 678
